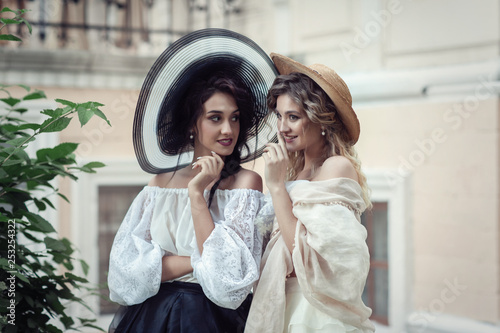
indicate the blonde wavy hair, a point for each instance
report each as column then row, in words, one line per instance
column 320, row 110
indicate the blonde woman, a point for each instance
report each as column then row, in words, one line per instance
column 315, row 266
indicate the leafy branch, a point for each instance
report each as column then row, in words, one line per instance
column 17, row 19
column 30, row 253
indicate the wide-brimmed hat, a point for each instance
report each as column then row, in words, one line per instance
column 198, row 54
column 331, row 83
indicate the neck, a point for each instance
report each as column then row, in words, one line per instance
column 312, row 158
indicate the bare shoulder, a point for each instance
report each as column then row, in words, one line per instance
column 161, row 179
column 337, row 167
column 248, row 179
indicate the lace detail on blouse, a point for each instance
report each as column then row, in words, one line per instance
column 231, row 256
column 230, row 263
column 135, row 261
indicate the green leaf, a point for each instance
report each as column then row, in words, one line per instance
column 3, row 174
column 28, row 25
column 20, row 110
column 27, row 88
column 9, row 127
column 38, row 223
column 7, row 9
column 68, row 265
column 94, row 164
column 65, row 102
column 40, row 204
column 54, row 302
column 60, row 151
column 67, row 321
column 31, row 126
column 74, row 277
column 49, row 203
column 16, row 190
column 35, row 95
column 54, row 244
column 69, row 248
column 84, row 115
column 11, row 161
column 10, row 101
column 63, row 196
column 51, row 125
column 100, row 114
column 91, row 105
column 21, row 276
column 9, row 21
column 53, row 113
column 11, row 38
column 85, row 267
column 18, row 141
column 18, row 152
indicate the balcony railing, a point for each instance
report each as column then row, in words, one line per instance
column 129, row 26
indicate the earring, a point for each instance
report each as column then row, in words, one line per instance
column 191, row 136
column 323, row 132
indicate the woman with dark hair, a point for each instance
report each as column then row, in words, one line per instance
column 198, row 93
column 188, row 252
column 315, row 265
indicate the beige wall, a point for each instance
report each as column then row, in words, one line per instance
column 453, row 168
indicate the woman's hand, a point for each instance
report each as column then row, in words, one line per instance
column 276, row 160
column 210, row 168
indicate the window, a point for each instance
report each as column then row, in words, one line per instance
column 376, row 293
column 114, row 202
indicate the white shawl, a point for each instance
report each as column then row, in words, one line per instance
column 330, row 258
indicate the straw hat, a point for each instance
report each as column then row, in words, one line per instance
column 198, row 54
column 331, row 83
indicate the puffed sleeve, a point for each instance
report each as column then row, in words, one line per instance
column 135, row 260
column 229, row 265
column 331, row 257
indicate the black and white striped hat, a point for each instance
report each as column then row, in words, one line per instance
column 203, row 51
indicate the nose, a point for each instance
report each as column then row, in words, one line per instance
column 226, row 128
column 283, row 126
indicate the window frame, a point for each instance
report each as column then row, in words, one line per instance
column 386, row 187
column 85, row 219
column 378, row 264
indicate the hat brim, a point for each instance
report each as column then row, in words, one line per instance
column 346, row 113
column 202, row 51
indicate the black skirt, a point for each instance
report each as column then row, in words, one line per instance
column 180, row 307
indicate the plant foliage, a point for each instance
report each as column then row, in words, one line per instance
column 37, row 267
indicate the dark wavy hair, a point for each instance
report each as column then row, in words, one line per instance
column 196, row 95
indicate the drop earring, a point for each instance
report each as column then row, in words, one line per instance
column 191, row 136
column 323, row 132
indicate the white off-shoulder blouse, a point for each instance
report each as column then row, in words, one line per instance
column 159, row 223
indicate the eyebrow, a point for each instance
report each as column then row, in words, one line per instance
column 219, row 112
column 288, row 112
